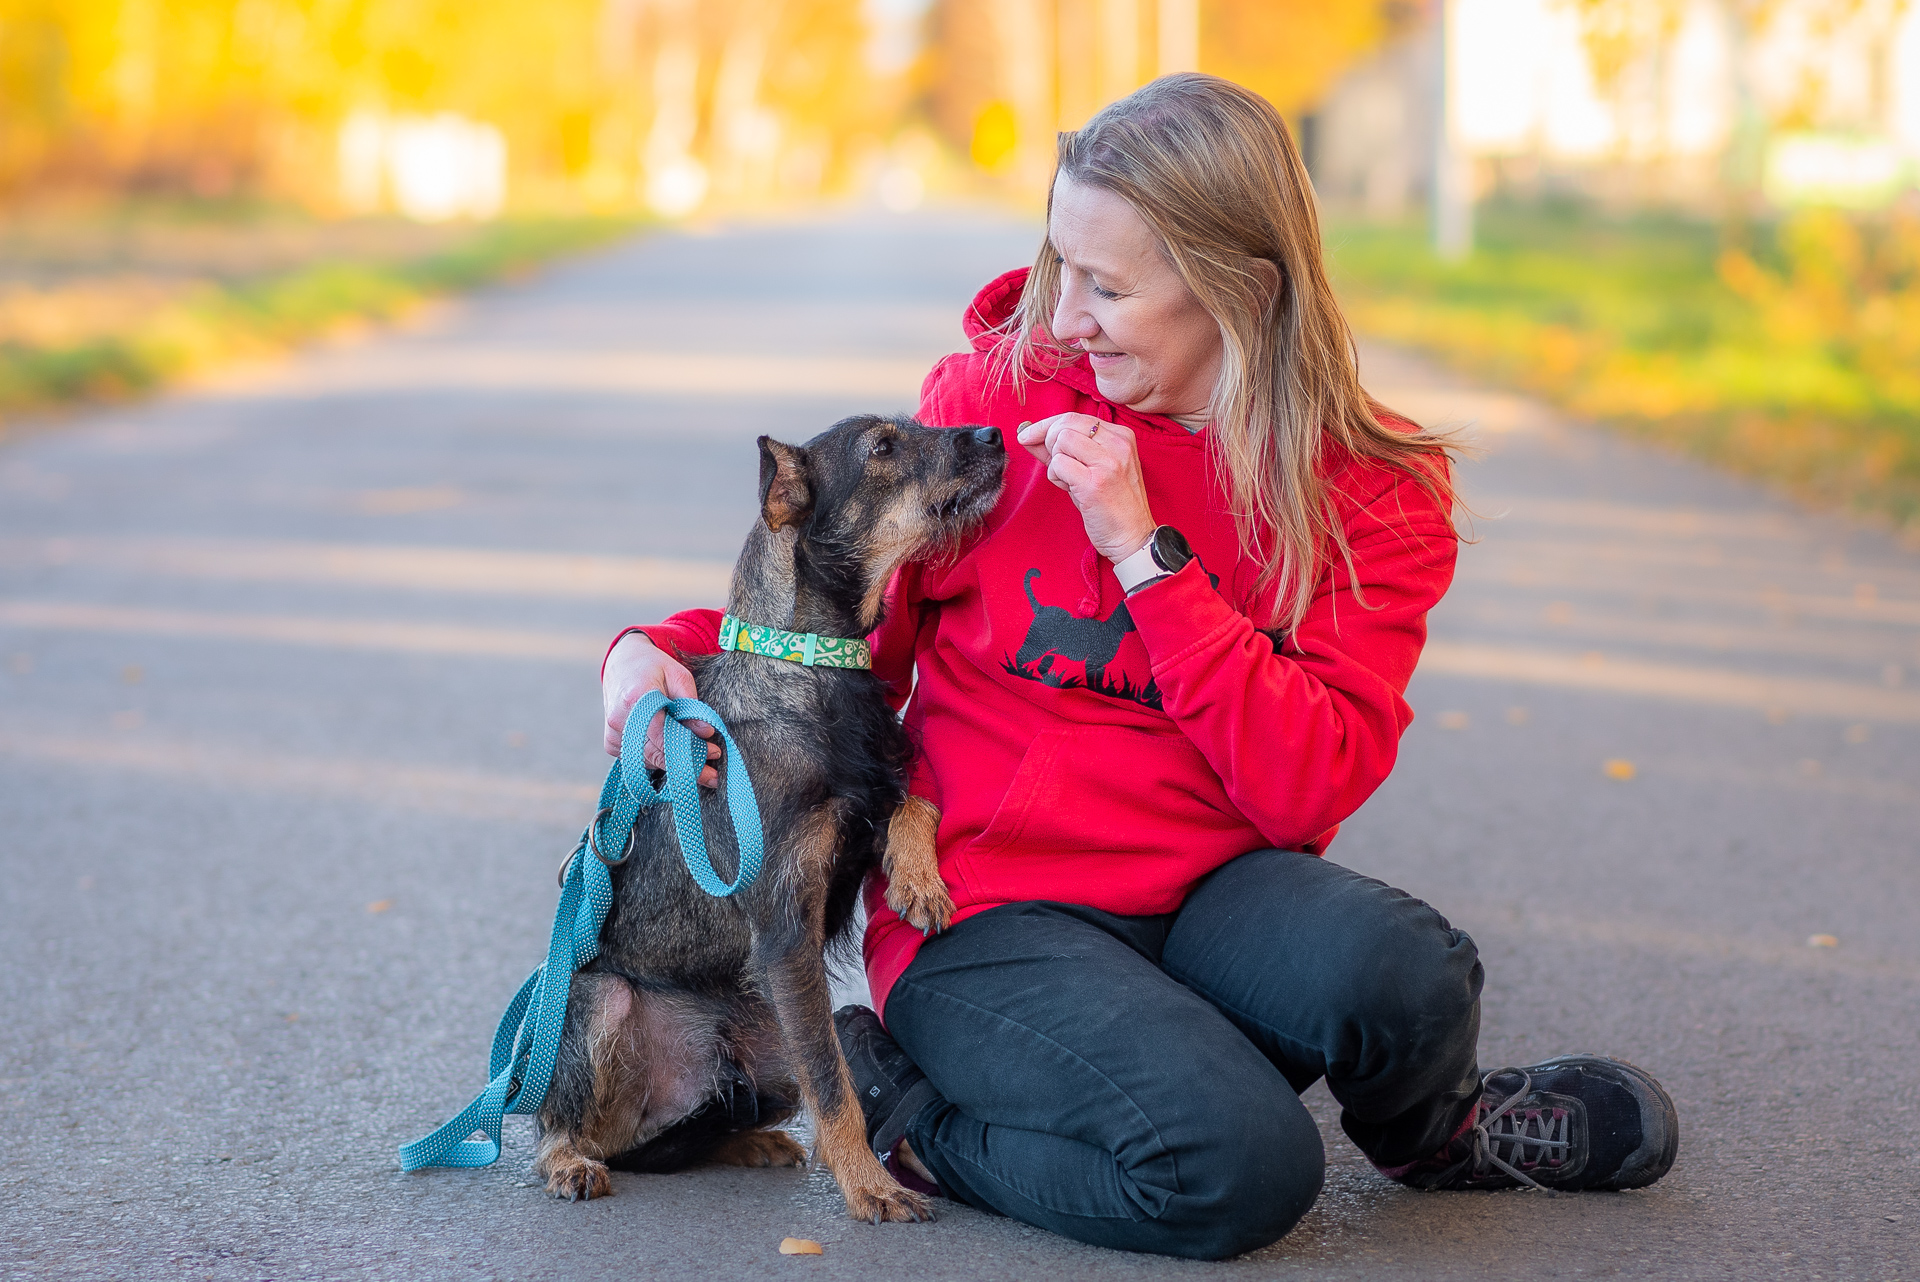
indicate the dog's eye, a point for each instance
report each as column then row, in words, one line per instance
column 883, row 447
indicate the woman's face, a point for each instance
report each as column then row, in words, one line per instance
column 1152, row 346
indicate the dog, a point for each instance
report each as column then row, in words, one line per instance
column 704, row 1023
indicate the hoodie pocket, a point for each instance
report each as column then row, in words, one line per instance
column 1104, row 789
column 1037, row 766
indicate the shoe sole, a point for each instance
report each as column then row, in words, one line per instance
column 1659, row 1124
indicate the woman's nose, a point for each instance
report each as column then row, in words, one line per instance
column 1072, row 322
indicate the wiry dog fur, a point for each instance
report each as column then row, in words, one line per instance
column 704, row 1023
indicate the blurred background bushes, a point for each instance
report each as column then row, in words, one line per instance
column 1788, row 350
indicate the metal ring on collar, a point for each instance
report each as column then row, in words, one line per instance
column 593, row 840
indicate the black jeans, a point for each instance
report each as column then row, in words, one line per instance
column 1134, row 1081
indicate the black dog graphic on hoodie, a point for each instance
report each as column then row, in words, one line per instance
column 1055, row 632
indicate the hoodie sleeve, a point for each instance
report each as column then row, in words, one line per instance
column 1301, row 738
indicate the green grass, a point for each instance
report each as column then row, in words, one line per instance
column 1793, row 356
column 221, row 319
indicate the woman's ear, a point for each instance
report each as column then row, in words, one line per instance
column 1267, row 272
column 786, row 488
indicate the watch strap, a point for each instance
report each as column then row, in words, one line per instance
column 1136, row 569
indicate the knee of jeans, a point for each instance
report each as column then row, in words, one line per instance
column 1247, row 1182
column 1420, row 975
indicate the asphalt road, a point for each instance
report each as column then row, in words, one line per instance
column 298, row 714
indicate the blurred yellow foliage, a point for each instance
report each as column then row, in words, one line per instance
column 1844, row 288
column 1289, row 51
column 995, row 135
column 219, row 96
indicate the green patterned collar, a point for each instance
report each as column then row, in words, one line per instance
column 808, row 648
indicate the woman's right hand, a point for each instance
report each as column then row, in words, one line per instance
column 634, row 666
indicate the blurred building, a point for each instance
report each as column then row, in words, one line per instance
column 1677, row 102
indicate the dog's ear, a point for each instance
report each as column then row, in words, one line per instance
column 786, row 489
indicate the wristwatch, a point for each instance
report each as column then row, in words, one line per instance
column 1162, row 555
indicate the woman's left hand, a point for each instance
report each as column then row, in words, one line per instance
column 1098, row 465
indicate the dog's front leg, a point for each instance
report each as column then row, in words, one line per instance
column 915, row 888
column 788, row 954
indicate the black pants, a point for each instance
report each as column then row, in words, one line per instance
column 1134, row 1081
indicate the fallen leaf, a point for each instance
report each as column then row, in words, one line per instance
column 1822, row 941
column 1619, row 768
column 799, row 1246
column 379, row 905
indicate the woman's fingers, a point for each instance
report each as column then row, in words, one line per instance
column 680, row 685
column 1034, row 437
column 1099, row 468
column 1042, row 436
column 634, row 669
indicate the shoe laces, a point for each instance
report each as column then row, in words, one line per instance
column 1529, row 1136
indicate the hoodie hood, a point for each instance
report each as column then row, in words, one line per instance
column 993, row 307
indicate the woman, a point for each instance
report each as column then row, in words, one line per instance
column 1148, row 694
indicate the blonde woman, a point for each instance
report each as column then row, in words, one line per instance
column 1147, row 696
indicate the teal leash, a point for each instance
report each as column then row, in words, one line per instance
column 527, row 1039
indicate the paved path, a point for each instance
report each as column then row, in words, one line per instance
column 297, row 714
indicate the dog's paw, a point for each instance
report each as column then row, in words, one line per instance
column 760, row 1148
column 578, row 1179
column 921, row 901
column 887, row 1202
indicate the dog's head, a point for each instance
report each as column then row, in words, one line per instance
column 870, row 494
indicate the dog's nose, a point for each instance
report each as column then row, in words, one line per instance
column 987, row 436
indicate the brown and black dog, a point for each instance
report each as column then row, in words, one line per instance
column 685, row 1038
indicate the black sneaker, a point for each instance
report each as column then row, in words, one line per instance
column 1577, row 1122
column 891, row 1090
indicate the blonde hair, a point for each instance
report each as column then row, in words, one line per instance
column 1213, row 170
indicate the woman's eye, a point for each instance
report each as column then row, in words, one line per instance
column 1101, row 291
column 883, row 447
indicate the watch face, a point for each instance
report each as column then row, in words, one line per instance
column 1170, row 550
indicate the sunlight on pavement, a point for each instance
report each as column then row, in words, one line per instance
column 471, row 794
column 470, row 368
column 1675, row 682
column 342, row 634
column 431, row 569
column 1469, row 411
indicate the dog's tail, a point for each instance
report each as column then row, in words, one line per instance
column 1032, row 600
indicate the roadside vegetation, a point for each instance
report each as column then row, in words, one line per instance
column 1789, row 352
column 112, row 301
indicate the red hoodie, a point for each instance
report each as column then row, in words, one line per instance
column 1097, row 749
